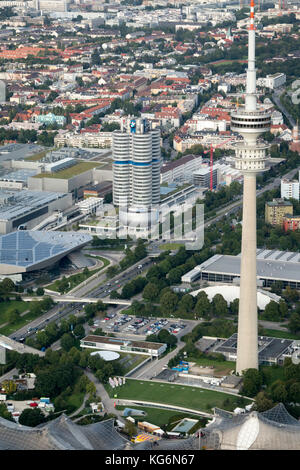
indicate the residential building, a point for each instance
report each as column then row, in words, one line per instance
column 277, row 209
column 291, row 222
column 289, row 189
column 272, row 81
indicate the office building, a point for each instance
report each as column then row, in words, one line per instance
column 180, row 170
column 136, row 164
column 276, row 210
column 202, row 177
column 136, row 172
column 272, row 81
column 250, row 121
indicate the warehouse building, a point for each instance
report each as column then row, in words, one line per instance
column 272, row 266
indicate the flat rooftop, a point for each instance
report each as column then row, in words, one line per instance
column 18, row 151
column 21, row 175
column 268, row 348
column 121, row 342
column 68, row 173
column 14, row 204
column 271, row 264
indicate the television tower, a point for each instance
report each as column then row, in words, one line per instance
column 250, row 122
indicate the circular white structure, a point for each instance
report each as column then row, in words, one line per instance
column 231, row 293
column 106, row 355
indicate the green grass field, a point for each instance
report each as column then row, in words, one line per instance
column 28, row 317
column 170, row 246
column 280, row 334
column 161, row 417
column 7, row 307
column 187, row 397
column 75, row 400
column 37, row 156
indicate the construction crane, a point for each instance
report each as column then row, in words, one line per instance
column 211, row 162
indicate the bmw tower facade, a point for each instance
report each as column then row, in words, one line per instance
column 136, row 172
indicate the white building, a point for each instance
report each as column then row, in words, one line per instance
column 2, row 92
column 272, row 81
column 290, row 189
column 180, row 170
column 90, row 205
column 123, row 345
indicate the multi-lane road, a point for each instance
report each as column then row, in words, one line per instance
column 101, row 287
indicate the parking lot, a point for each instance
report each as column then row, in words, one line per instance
column 137, row 325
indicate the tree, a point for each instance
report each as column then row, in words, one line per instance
column 262, row 402
column 7, row 286
column 291, row 295
column 140, row 251
column 202, row 307
column 272, row 311
column 9, row 386
column 186, row 304
column 234, row 306
column 151, row 291
column 168, row 303
column 294, row 392
column 40, row 291
column 4, row 413
column 79, row 331
column 67, row 341
column 129, row 428
column 252, row 383
column 175, row 274
column 294, row 323
column 91, row 389
column 31, row 417
column 165, row 337
column 14, row 315
column 95, row 58
column 278, row 391
column 111, row 271
column 219, row 305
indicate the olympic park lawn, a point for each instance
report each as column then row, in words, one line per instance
column 194, row 398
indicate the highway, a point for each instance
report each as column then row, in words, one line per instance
column 104, row 286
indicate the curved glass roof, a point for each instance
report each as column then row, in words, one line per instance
column 25, row 248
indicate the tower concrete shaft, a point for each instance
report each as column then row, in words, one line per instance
column 247, row 348
column 250, row 122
